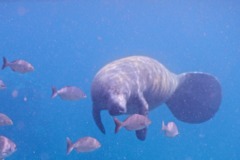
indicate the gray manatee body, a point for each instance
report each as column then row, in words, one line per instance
column 138, row 84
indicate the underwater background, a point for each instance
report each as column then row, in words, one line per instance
column 69, row 41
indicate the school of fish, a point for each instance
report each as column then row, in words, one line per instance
column 85, row 144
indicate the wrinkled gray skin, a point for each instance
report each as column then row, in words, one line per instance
column 138, row 84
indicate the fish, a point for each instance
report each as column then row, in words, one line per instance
column 19, row 65
column 85, row 144
column 2, row 85
column 68, row 93
column 7, row 147
column 170, row 129
column 5, row 120
column 132, row 123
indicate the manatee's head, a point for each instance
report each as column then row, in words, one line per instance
column 112, row 100
column 116, row 102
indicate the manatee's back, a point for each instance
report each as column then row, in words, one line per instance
column 135, row 73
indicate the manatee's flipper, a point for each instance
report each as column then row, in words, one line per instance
column 97, row 118
column 197, row 97
column 141, row 134
column 143, row 110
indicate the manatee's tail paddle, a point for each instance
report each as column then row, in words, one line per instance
column 97, row 118
column 5, row 63
column 197, row 97
column 69, row 145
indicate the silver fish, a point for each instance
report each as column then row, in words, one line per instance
column 68, row 93
column 133, row 122
column 2, row 85
column 7, row 147
column 19, row 65
column 5, row 120
column 170, row 129
column 85, row 144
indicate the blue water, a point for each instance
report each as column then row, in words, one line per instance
column 69, row 41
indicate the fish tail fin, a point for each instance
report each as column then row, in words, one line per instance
column 5, row 63
column 69, row 145
column 118, row 124
column 54, row 92
column 163, row 126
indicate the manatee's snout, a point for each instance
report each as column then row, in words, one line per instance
column 116, row 110
column 117, row 105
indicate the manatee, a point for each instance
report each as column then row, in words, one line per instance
column 138, row 84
